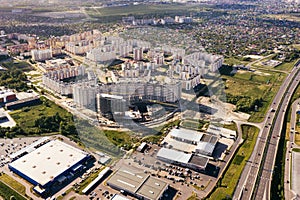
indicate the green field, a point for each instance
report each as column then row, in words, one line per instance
column 27, row 116
column 263, row 84
column 228, row 182
column 110, row 14
column 234, row 61
column 13, row 183
column 286, row 66
column 7, row 193
column 24, row 66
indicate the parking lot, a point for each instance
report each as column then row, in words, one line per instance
column 184, row 180
column 10, row 146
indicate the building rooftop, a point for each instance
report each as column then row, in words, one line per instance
column 48, row 161
column 209, row 138
column 152, row 188
column 111, row 96
column 215, row 130
column 206, row 147
column 199, row 161
column 137, row 182
column 174, row 155
column 186, row 134
column 128, row 179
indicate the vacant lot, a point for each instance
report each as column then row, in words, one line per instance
column 27, row 116
column 260, row 84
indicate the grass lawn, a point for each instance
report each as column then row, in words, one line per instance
column 155, row 139
column 193, row 124
column 297, row 139
column 231, row 126
column 234, row 61
column 6, row 192
column 286, row 66
column 26, row 116
column 22, row 65
column 13, row 183
column 230, row 179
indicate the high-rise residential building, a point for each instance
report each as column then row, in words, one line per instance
column 138, row 53
column 41, row 55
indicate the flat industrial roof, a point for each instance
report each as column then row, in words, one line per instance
column 48, row 161
column 96, row 180
column 199, row 161
column 215, row 130
column 206, row 146
column 111, row 96
column 174, row 155
column 209, row 138
column 128, row 179
column 137, row 182
column 152, row 188
column 186, row 134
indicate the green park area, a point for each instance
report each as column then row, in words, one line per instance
column 227, row 183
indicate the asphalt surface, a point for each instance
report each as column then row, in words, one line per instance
column 264, row 153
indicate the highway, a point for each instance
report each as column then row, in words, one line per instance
column 255, row 181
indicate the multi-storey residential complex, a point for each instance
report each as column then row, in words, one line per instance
column 19, row 48
column 66, row 72
column 41, row 55
column 53, row 79
column 193, row 67
column 128, row 91
column 84, row 95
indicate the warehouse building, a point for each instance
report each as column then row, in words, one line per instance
column 220, row 131
column 52, row 163
column 191, row 141
column 189, row 160
column 23, row 102
column 138, row 184
column 7, row 96
column 186, row 135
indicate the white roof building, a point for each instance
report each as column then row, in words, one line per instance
column 47, row 162
column 186, row 135
column 174, row 155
